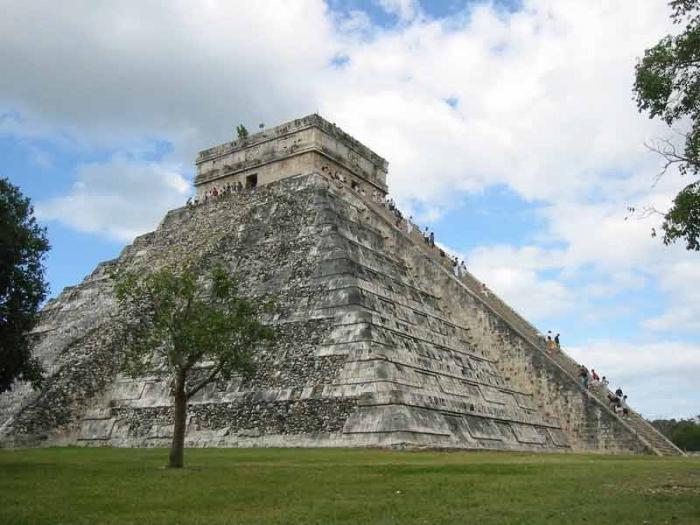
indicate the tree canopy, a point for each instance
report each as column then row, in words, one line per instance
column 23, row 245
column 192, row 326
column 685, row 433
column 241, row 131
column 667, row 85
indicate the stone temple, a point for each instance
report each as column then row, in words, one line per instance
column 379, row 343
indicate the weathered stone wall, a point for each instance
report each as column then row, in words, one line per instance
column 75, row 349
column 420, row 373
column 267, row 236
column 296, row 147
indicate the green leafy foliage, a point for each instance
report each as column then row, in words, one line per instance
column 667, row 86
column 194, row 326
column 241, row 131
column 178, row 320
column 685, row 433
column 23, row 245
column 682, row 221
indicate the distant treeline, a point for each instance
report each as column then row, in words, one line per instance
column 685, row 433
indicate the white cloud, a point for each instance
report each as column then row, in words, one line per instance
column 543, row 95
column 115, row 77
column 405, row 10
column 120, row 199
column 679, row 280
column 513, row 274
column 186, row 72
column 543, row 98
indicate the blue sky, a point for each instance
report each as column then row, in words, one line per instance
column 509, row 127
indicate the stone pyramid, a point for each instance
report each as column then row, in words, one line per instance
column 379, row 343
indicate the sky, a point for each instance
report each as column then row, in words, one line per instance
column 509, row 126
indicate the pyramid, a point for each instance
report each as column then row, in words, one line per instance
column 378, row 342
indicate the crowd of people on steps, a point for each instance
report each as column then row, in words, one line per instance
column 214, row 193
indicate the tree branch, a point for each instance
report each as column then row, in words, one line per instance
column 666, row 149
column 208, row 379
column 643, row 213
column 192, row 360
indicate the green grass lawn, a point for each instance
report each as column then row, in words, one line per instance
column 122, row 486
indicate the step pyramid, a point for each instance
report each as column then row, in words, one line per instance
column 379, row 343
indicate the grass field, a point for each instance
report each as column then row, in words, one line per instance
column 123, row 486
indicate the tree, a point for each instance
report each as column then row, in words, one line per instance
column 667, row 85
column 23, row 245
column 685, row 433
column 241, row 131
column 196, row 329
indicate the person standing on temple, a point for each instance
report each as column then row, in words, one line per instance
column 583, row 377
column 551, row 345
column 625, row 407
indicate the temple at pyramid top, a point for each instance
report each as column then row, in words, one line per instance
column 298, row 147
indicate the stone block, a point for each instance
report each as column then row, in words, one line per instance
column 558, row 437
column 96, row 429
column 396, row 418
column 494, row 395
column 527, row 434
column 127, row 389
column 482, row 428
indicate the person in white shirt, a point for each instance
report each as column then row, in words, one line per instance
column 625, row 408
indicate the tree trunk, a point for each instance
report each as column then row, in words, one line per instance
column 178, row 446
